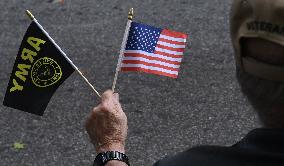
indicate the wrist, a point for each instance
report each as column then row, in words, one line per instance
column 115, row 146
column 115, row 163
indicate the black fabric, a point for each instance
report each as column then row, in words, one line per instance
column 261, row 147
column 39, row 70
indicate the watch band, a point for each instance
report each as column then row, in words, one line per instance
column 103, row 158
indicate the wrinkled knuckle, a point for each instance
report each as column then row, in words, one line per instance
column 95, row 109
column 104, row 107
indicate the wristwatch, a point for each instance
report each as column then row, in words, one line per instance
column 103, row 158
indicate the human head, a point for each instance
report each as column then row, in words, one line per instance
column 257, row 32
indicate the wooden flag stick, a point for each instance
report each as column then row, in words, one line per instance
column 63, row 53
column 123, row 44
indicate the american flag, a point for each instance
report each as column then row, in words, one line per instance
column 153, row 50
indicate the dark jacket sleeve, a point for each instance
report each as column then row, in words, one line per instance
column 260, row 147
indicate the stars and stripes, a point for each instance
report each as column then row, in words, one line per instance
column 153, row 50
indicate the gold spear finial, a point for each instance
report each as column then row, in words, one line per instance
column 130, row 14
column 31, row 16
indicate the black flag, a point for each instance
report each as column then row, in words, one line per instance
column 39, row 69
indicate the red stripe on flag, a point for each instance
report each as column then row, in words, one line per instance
column 151, row 58
column 171, row 42
column 173, row 34
column 149, row 64
column 148, row 71
column 167, row 54
column 170, row 48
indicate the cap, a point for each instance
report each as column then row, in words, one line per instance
column 257, row 19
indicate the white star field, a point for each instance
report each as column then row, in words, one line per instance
column 142, row 37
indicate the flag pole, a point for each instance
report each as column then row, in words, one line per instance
column 123, row 44
column 63, row 53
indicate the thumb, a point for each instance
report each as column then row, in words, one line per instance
column 116, row 96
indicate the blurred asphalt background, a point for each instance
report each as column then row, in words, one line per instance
column 203, row 106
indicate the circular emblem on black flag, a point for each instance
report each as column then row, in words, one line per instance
column 45, row 72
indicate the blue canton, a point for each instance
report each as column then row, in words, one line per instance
column 142, row 37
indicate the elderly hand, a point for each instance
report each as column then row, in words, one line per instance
column 107, row 124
